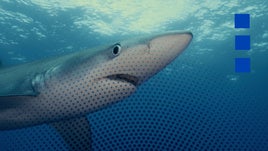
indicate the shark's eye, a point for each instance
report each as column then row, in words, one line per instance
column 116, row 49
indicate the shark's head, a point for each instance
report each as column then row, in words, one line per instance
column 137, row 60
column 133, row 62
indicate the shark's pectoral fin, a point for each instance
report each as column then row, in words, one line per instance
column 75, row 132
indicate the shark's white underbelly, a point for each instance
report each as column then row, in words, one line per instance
column 72, row 95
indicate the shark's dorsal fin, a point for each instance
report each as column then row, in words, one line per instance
column 75, row 132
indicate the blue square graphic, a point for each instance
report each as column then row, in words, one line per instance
column 242, row 65
column 242, row 21
column 242, row 42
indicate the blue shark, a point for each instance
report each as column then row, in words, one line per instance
column 60, row 91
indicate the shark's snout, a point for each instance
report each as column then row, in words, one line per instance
column 167, row 46
column 154, row 55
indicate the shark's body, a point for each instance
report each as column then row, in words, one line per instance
column 61, row 91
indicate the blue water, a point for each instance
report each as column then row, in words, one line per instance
column 197, row 102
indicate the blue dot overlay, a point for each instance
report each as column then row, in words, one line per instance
column 242, row 42
column 242, row 65
column 242, row 21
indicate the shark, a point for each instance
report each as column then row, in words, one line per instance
column 62, row 90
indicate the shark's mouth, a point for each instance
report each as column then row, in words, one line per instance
column 125, row 78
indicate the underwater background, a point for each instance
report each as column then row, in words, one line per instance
column 198, row 102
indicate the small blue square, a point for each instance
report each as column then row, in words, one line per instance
column 242, row 21
column 242, row 65
column 242, row 42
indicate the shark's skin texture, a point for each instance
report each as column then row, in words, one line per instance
column 74, row 85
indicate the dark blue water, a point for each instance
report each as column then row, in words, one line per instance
column 197, row 102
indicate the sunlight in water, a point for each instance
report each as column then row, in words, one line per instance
column 122, row 16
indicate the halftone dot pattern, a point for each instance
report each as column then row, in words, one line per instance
column 201, row 110
column 35, row 138
column 77, row 84
column 185, row 107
